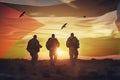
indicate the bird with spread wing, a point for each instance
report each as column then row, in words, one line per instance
column 22, row 14
column 63, row 26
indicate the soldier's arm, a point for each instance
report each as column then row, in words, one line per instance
column 78, row 44
column 58, row 43
column 38, row 44
column 48, row 43
column 68, row 42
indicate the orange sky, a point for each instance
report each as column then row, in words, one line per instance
column 98, row 36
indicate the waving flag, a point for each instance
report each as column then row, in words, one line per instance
column 13, row 28
column 90, row 20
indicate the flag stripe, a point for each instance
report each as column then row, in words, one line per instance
column 14, row 28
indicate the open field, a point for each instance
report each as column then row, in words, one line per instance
column 21, row 69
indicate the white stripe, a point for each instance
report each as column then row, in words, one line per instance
column 37, row 2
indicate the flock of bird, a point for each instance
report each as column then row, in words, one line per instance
column 63, row 26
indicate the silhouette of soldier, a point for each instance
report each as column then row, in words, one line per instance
column 33, row 48
column 52, row 44
column 73, row 44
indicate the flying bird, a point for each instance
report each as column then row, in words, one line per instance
column 64, row 26
column 22, row 14
column 84, row 16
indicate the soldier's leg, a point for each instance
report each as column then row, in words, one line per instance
column 76, row 55
column 71, row 58
column 31, row 54
column 71, row 54
column 55, row 57
column 35, row 58
column 51, row 57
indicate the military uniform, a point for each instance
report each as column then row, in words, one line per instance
column 33, row 48
column 73, row 44
column 52, row 44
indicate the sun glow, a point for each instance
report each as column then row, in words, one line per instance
column 62, row 54
column 60, row 51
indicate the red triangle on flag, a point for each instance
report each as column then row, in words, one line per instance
column 13, row 28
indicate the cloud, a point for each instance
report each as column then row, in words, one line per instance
column 83, row 27
column 67, row 1
column 37, row 2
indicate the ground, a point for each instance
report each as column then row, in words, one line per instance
column 22, row 69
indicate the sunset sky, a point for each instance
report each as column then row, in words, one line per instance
column 97, row 32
